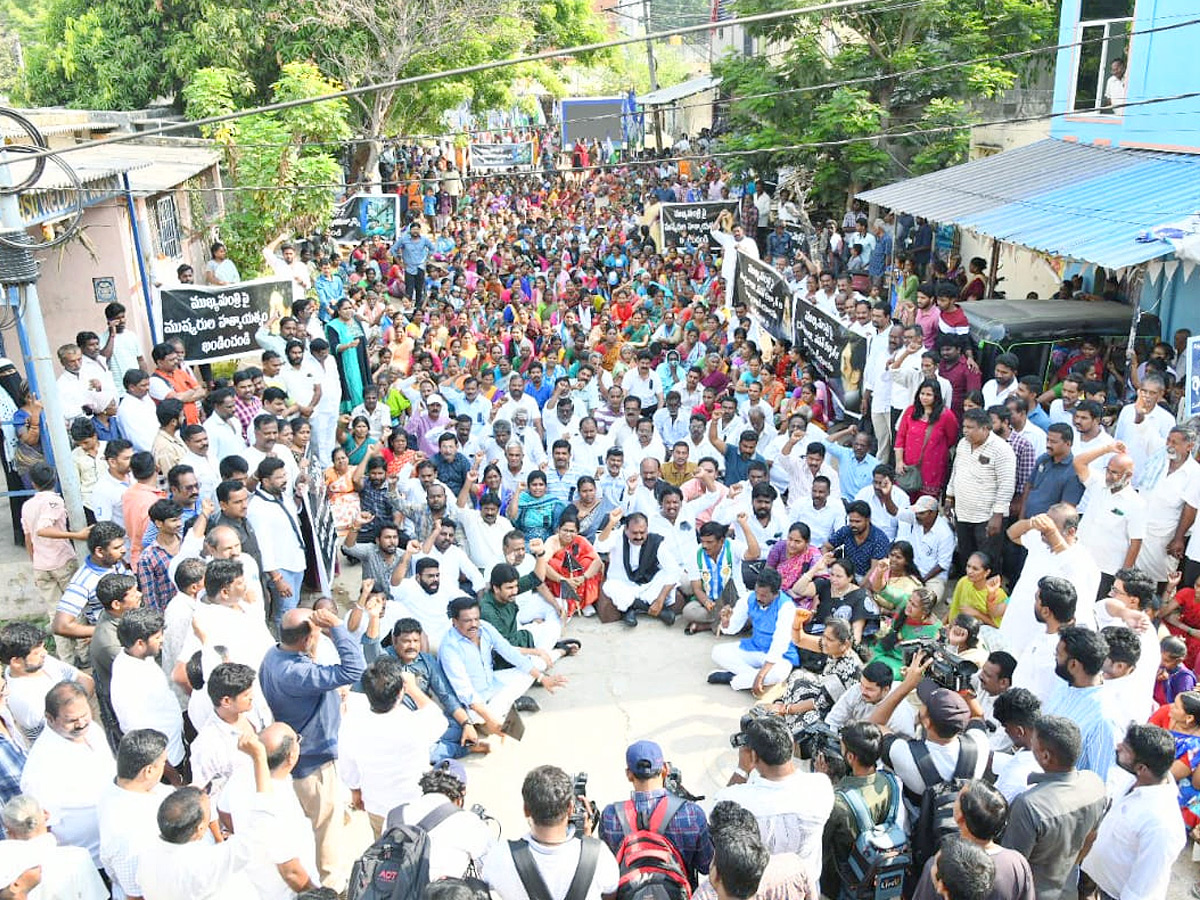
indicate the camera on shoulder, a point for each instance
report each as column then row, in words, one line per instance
column 585, row 810
column 949, row 670
column 817, row 739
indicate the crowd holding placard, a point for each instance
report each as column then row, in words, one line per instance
column 972, row 607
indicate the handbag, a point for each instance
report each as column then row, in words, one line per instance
column 910, row 480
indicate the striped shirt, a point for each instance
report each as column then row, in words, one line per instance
column 1084, row 707
column 80, row 593
column 983, row 479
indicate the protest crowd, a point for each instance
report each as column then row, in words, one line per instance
column 964, row 614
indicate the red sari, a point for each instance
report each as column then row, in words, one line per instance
column 568, row 562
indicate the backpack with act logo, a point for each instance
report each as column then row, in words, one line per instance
column 879, row 858
column 396, row 867
column 935, row 821
column 651, row 867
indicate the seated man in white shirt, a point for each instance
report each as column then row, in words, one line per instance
column 822, row 515
column 639, row 579
column 30, row 674
column 886, row 500
column 422, row 597
column 765, row 657
column 453, row 562
column 857, row 703
column 549, row 802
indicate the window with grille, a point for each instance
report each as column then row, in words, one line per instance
column 166, row 227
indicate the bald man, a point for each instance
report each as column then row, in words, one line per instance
column 279, row 825
column 1115, row 524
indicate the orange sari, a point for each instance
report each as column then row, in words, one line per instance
column 570, row 561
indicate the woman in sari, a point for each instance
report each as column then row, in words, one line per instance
column 591, row 508
column 301, row 435
column 809, row 696
column 892, row 580
column 396, row 454
column 915, row 622
column 349, row 345
column 978, row 593
column 342, row 483
column 792, row 558
column 356, row 439
column 533, row 511
column 574, row 570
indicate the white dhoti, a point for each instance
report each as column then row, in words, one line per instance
column 625, row 593
column 744, row 664
column 512, row 684
column 1153, row 558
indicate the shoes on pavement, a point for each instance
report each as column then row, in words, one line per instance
column 667, row 617
column 529, row 705
column 630, row 619
column 720, row 677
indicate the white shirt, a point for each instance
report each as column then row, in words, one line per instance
column 1012, row 772
column 141, row 698
column 821, row 522
column 614, row 544
column 296, row 272
column 301, row 381
column 645, row 389
column 68, row 873
column 198, row 870
column 510, row 407
column 1112, row 521
column 378, row 420
column 224, row 436
column 331, row 385
column 1142, row 440
column 410, row 599
column 280, row 541
column 1036, row 660
column 484, row 542
column 27, row 695
column 74, row 391
column 128, row 824
column 1035, row 436
column 138, row 418
column 590, row 456
column 279, row 827
column 930, row 548
column 455, row 841
column 791, row 812
column 995, row 394
column 1075, row 564
column 851, row 707
column 556, row 863
column 107, row 497
column 67, row 778
column 384, row 755
column 883, row 520
column 1137, row 842
column 453, row 563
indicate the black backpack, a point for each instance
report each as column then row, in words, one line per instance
column 935, row 822
column 396, row 867
column 879, row 857
column 651, row 866
column 535, row 885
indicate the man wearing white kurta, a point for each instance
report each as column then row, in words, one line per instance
column 759, row 660
column 731, row 245
column 639, row 578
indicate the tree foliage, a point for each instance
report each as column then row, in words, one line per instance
column 858, row 81
column 267, row 150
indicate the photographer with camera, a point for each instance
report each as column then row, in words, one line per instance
column 554, row 859
column 791, row 806
column 877, row 791
column 679, row 820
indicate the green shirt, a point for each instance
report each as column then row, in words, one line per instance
column 503, row 616
column 841, row 828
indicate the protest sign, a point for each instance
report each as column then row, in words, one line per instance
column 766, row 295
column 365, row 216
column 681, row 220
column 320, row 534
column 838, row 354
column 217, row 323
column 502, row 156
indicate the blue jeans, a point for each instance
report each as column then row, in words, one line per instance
column 448, row 746
column 294, row 580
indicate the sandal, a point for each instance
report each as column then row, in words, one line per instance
column 695, row 628
column 569, row 646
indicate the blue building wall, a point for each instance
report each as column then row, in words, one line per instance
column 1160, row 64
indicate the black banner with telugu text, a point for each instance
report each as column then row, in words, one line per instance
column 683, row 220
column 217, row 323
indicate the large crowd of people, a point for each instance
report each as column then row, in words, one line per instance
column 972, row 607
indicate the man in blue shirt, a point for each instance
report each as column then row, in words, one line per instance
column 304, row 695
column 537, row 386
column 330, row 289
column 861, row 542
column 1053, row 479
column 466, row 657
column 856, row 463
column 414, row 250
column 1028, row 389
column 1081, row 653
column 737, row 459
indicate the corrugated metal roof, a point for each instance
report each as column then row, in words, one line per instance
column 679, row 91
column 171, row 166
column 1073, row 200
column 8, row 129
column 152, row 168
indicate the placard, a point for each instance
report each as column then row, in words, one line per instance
column 502, row 156
column 364, row 216
column 321, row 535
column 696, row 219
column 217, row 323
column 1193, row 376
column 766, row 295
column 838, row 354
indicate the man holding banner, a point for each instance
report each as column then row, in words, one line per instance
column 732, row 243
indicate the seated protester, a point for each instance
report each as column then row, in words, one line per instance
column 808, row 698
column 861, row 543
column 375, row 498
column 1017, row 710
column 995, row 677
column 683, row 824
column 573, row 568
column 640, row 579
column 30, row 672
column 384, row 748
column 460, row 840
column 466, row 656
column 715, row 569
column 766, row 657
column 460, row 737
column 1183, row 720
column 541, row 637
column 857, row 703
column 978, row 593
column 962, row 639
column 915, row 622
column 532, row 509
column 549, row 802
column 831, row 581
column 791, row 806
column 949, row 733
column 892, row 580
column 980, row 813
column 861, row 742
column 421, row 597
column 1174, row 677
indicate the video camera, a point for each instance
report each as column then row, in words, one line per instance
column 674, row 785
column 949, row 670
column 584, row 809
column 817, row 738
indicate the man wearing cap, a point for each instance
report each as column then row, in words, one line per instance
column 431, row 425
column 683, row 822
column 932, row 540
column 791, row 806
column 949, row 732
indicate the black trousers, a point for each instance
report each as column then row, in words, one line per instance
column 972, row 537
column 414, row 285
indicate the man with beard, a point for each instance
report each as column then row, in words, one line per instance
column 1054, row 609
column 420, row 597
column 170, row 380
column 467, row 659
column 1113, row 530
column 422, row 520
column 453, row 561
column 280, row 540
column 381, row 558
column 301, row 378
column 121, row 349
column 640, row 579
column 1080, row 663
column 30, row 674
column 266, row 437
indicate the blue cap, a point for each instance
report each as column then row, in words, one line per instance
column 644, row 759
column 455, row 768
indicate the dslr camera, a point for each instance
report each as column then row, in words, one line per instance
column 949, row 670
column 674, row 784
column 741, row 739
column 584, row 809
column 815, row 739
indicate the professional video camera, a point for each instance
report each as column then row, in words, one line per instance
column 740, row 739
column 817, row 738
column 949, row 670
column 584, row 809
column 674, row 784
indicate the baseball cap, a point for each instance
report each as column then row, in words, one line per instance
column 945, row 707
column 435, row 398
column 644, row 759
column 455, row 768
column 925, row 504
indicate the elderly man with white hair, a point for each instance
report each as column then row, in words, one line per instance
column 640, row 578
column 31, row 857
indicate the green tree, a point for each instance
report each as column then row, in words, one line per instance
column 912, row 69
column 273, row 159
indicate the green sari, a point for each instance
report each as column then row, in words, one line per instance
column 352, row 362
column 887, row 651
